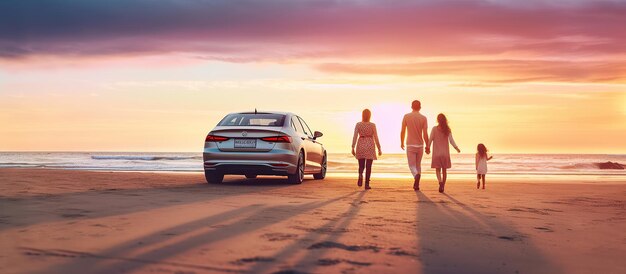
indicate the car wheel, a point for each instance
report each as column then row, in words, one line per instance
column 213, row 177
column 251, row 176
column 322, row 173
column 298, row 177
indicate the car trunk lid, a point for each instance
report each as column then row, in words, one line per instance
column 246, row 139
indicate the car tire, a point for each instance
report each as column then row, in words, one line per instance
column 251, row 176
column 213, row 177
column 324, row 164
column 297, row 177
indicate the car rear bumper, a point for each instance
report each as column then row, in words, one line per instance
column 245, row 168
column 275, row 162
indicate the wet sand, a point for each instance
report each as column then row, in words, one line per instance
column 60, row 221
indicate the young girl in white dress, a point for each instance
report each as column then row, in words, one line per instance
column 481, row 164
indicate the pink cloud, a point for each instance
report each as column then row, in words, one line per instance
column 529, row 35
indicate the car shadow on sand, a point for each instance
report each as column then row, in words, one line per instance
column 151, row 249
column 24, row 211
column 260, row 181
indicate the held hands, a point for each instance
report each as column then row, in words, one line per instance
column 427, row 150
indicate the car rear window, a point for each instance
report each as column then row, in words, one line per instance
column 251, row 119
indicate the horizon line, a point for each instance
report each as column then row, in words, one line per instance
column 347, row 152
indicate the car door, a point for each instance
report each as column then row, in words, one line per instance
column 314, row 149
column 301, row 134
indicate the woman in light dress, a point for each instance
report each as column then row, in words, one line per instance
column 365, row 140
column 440, row 138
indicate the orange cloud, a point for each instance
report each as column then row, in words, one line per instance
column 502, row 71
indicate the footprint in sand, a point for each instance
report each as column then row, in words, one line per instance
column 74, row 213
column 329, row 244
column 359, row 203
column 276, row 237
column 384, row 200
column 529, row 210
column 370, row 224
column 546, row 229
column 396, row 251
column 329, row 262
column 511, row 238
column 322, row 230
column 256, row 259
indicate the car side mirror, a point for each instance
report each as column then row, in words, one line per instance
column 317, row 134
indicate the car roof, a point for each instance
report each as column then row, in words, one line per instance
column 265, row 112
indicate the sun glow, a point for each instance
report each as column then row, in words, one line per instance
column 388, row 118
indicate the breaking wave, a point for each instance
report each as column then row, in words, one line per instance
column 144, row 158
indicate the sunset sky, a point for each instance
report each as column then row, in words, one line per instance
column 138, row 75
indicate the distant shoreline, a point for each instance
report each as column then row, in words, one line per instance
column 618, row 178
column 393, row 165
column 345, row 153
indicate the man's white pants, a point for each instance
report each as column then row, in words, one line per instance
column 414, row 157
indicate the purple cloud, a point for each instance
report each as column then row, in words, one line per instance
column 276, row 29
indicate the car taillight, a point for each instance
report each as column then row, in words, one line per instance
column 277, row 139
column 213, row 138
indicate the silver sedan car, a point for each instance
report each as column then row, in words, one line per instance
column 263, row 143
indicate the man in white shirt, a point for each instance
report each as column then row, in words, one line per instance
column 415, row 129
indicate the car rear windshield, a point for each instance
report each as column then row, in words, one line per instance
column 251, row 119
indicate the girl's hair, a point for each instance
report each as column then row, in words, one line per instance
column 482, row 150
column 443, row 124
column 367, row 114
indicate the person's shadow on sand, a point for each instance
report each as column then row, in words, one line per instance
column 148, row 250
column 455, row 238
column 322, row 242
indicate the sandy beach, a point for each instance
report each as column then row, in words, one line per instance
column 60, row 221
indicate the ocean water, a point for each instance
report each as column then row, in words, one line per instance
column 527, row 164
